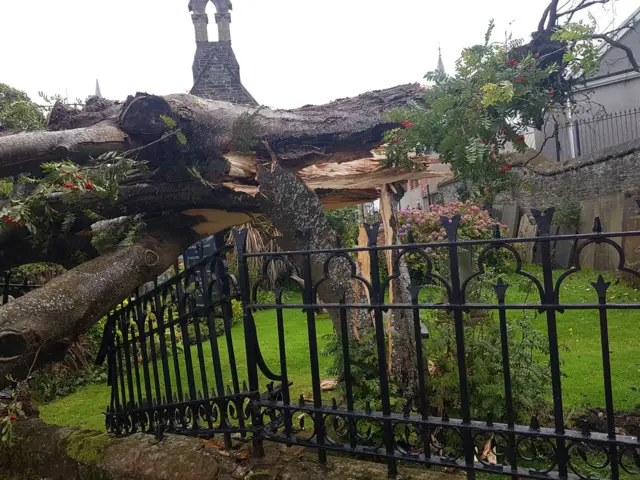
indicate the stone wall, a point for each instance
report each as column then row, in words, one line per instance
column 48, row 451
column 610, row 172
column 606, row 185
column 216, row 74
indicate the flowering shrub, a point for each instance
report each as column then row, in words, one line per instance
column 475, row 224
column 426, row 227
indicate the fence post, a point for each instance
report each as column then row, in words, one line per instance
column 578, row 145
column 556, row 136
column 309, row 298
column 451, row 228
column 222, row 275
column 251, row 341
column 543, row 221
column 378, row 299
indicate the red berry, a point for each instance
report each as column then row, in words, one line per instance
column 537, row 55
column 13, row 418
column 68, row 185
column 482, row 142
column 89, row 186
column 551, row 91
column 520, row 138
column 396, row 140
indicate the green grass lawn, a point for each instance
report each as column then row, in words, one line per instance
column 579, row 340
column 84, row 408
column 578, row 334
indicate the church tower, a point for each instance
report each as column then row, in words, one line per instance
column 216, row 72
column 440, row 67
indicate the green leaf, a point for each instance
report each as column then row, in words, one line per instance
column 91, row 215
column 68, row 222
column 182, row 139
column 6, row 187
column 168, row 122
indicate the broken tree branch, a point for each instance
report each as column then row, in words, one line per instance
column 621, row 46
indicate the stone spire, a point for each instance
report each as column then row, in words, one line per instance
column 216, row 72
column 440, row 62
column 98, row 92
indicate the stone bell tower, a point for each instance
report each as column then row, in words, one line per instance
column 216, row 72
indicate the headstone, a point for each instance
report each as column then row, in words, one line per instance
column 527, row 229
column 496, row 212
column 192, row 255
column 465, row 263
column 196, row 252
column 563, row 249
column 511, row 218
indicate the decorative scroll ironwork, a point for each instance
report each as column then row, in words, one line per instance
column 161, row 384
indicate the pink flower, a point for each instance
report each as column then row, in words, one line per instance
column 475, row 208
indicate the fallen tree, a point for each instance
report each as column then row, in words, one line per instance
column 208, row 168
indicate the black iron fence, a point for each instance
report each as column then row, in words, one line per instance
column 224, row 386
column 585, row 136
column 13, row 288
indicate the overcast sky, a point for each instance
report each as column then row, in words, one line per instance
column 291, row 52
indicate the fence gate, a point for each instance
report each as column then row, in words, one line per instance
column 177, row 365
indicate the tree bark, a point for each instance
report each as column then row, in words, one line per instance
column 24, row 152
column 297, row 213
column 38, row 327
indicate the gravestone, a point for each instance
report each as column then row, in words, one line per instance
column 195, row 253
column 511, row 218
column 527, row 229
column 496, row 212
column 563, row 249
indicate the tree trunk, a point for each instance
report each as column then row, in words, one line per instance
column 38, row 327
column 402, row 340
column 296, row 211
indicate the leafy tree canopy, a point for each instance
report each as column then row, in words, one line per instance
column 499, row 92
column 17, row 111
